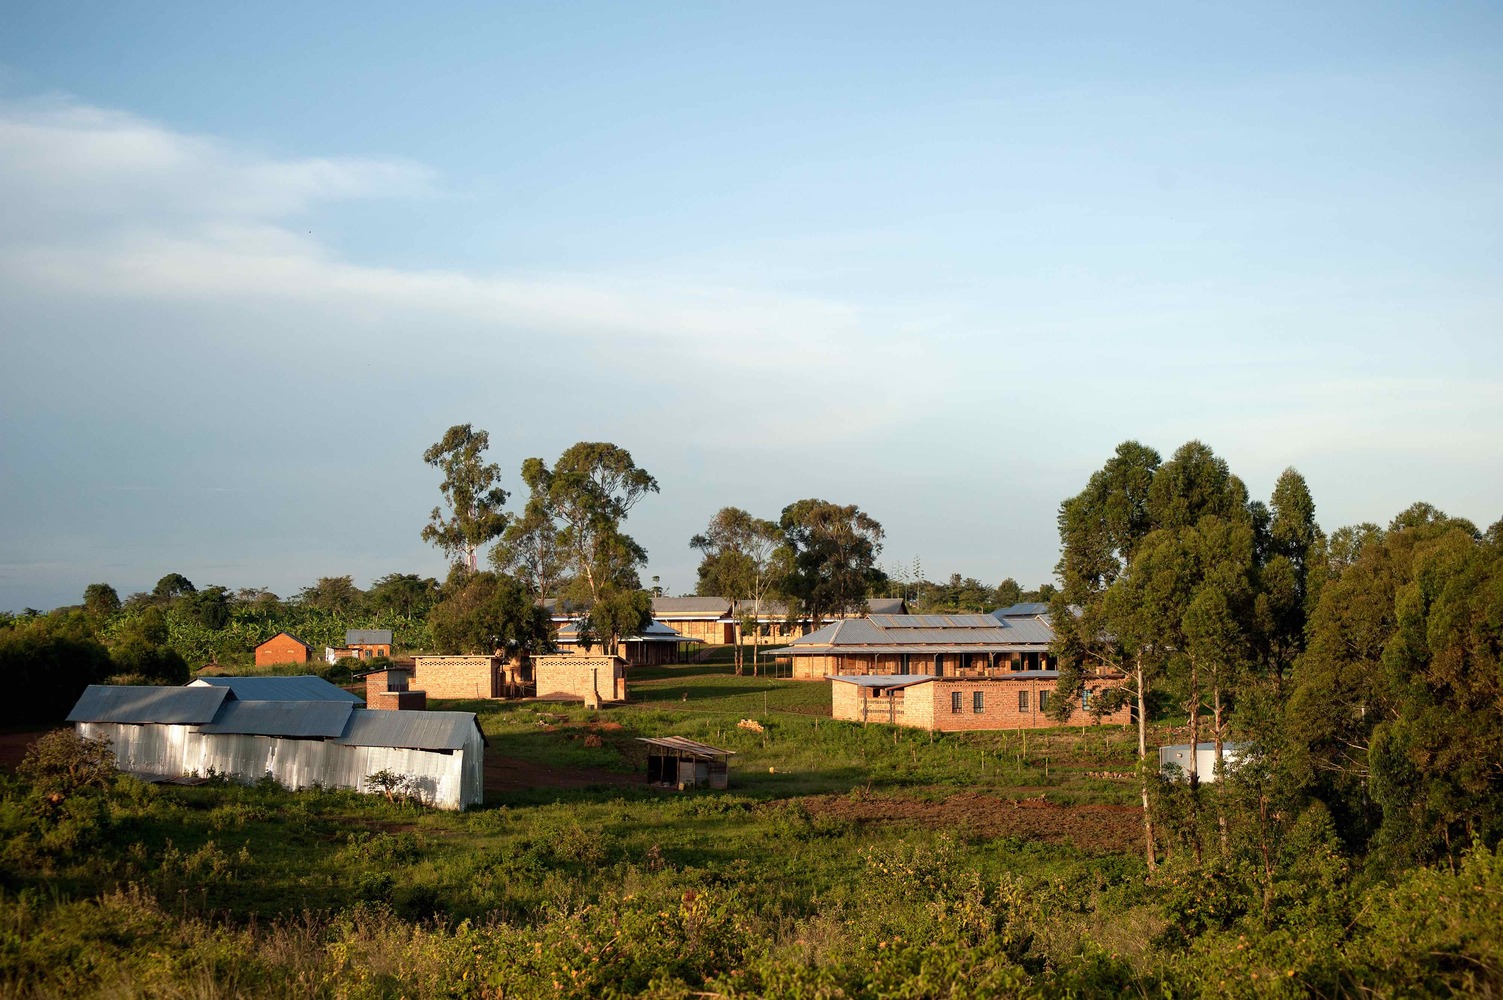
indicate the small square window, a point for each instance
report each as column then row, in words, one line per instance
column 978, row 701
column 1022, row 701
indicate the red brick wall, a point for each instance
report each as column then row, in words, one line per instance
column 928, row 706
column 398, row 700
column 280, row 649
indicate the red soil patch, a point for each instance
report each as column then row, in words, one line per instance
column 13, row 747
column 510, row 774
column 1096, row 829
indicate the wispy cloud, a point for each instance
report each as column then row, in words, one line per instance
column 109, row 205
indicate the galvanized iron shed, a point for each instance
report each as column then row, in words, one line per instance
column 683, row 763
column 165, row 733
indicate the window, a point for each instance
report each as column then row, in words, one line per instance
column 1043, row 701
column 955, row 701
column 1022, row 701
column 1085, row 699
column 978, row 701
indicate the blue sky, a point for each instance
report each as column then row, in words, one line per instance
column 935, row 260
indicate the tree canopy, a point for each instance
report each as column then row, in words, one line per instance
column 830, row 552
column 472, row 491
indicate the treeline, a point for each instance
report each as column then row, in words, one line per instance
column 1360, row 670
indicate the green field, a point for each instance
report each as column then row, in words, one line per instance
column 845, row 861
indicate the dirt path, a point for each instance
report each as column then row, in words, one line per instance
column 13, row 747
column 1096, row 829
column 511, row 774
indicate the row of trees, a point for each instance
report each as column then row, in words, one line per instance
column 1362, row 667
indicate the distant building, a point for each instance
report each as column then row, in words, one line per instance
column 683, row 763
column 943, row 672
column 284, row 647
column 294, row 729
column 656, row 644
column 361, row 644
column 594, row 680
column 468, row 677
column 391, row 689
column 707, row 619
column 933, row 645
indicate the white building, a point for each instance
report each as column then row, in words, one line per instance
column 302, row 731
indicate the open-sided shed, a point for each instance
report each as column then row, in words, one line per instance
column 674, row 760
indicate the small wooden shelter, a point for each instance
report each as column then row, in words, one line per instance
column 683, row 763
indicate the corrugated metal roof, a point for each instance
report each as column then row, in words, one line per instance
column 1034, row 630
column 881, row 680
column 683, row 745
column 933, row 621
column 885, row 606
column 409, row 730
column 368, row 636
column 654, row 632
column 915, row 649
column 1021, row 610
column 173, row 706
column 303, row 688
column 697, row 606
column 308, row 719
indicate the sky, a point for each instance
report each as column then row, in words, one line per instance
column 935, row 260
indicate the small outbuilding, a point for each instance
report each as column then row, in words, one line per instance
column 1174, row 761
column 284, row 647
column 683, row 763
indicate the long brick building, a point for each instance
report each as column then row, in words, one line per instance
column 945, row 672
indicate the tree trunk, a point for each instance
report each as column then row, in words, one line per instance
column 1220, row 772
column 1148, row 846
column 1193, row 706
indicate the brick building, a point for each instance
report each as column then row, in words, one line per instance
column 593, row 680
column 931, row 645
column 957, row 704
column 707, row 619
column 361, row 644
column 656, row 644
column 284, row 647
column 392, row 689
column 469, row 677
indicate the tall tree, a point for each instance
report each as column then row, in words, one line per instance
column 171, row 587
column 1100, row 529
column 532, row 552
column 100, row 600
column 471, row 489
column 486, row 613
column 404, row 594
column 209, row 607
column 739, row 553
column 332, row 594
column 588, row 494
column 831, row 551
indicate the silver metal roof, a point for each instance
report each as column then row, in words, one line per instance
column 654, row 632
column 881, row 680
column 683, row 745
column 1022, row 610
column 922, row 633
column 368, row 636
column 699, row 607
column 409, row 730
column 885, row 606
column 304, row 688
column 173, row 706
column 307, row 719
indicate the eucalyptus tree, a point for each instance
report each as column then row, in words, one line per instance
column 739, row 565
column 588, row 494
column 1285, row 591
column 471, row 489
column 1099, row 530
column 532, row 551
column 829, row 552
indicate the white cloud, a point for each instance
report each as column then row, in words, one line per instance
column 108, row 205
